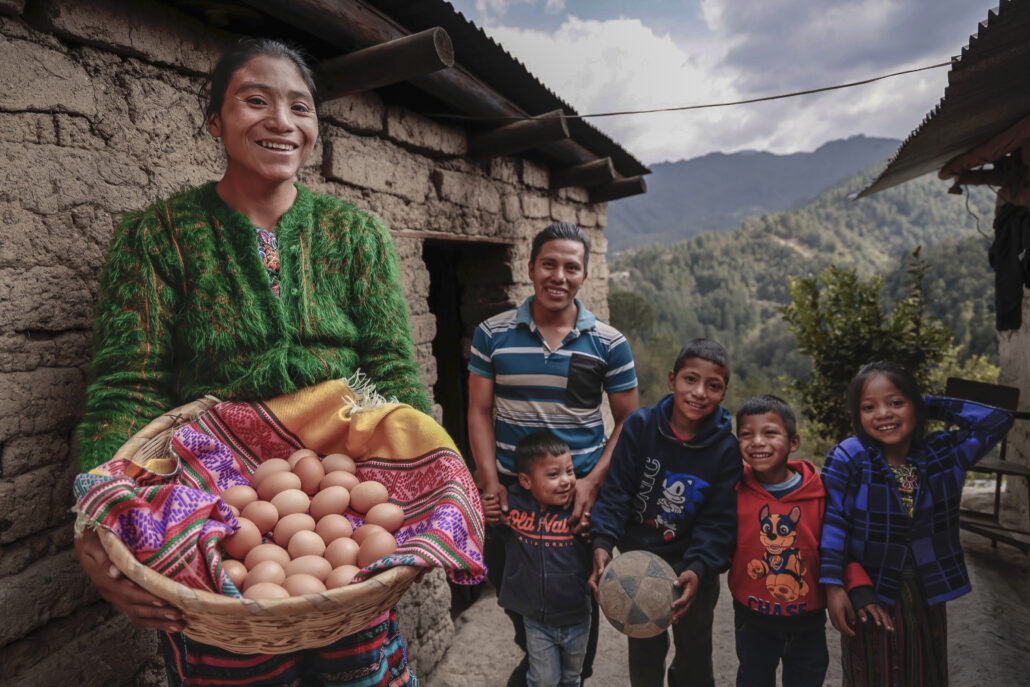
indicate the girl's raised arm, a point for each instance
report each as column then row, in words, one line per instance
column 980, row 427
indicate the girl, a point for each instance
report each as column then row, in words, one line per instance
column 892, row 501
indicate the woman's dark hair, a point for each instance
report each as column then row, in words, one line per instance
column 244, row 51
column 760, row 405
column 560, row 231
column 899, row 377
column 705, row 349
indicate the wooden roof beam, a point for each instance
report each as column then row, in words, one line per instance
column 593, row 173
column 386, row 63
column 519, row 136
column 620, row 188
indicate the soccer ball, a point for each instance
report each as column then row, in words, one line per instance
column 636, row 593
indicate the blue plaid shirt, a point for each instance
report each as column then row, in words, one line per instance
column 866, row 522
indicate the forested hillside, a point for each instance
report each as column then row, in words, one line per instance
column 730, row 286
column 716, row 192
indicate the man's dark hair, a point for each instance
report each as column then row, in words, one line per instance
column 899, row 377
column 563, row 231
column 760, row 405
column 535, row 446
column 705, row 349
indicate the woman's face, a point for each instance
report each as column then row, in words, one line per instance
column 267, row 121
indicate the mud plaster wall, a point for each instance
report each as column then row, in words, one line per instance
column 1014, row 357
column 98, row 116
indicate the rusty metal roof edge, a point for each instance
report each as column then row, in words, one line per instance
column 521, row 86
column 967, row 54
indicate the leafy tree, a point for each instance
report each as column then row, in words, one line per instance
column 629, row 312
column 841, row 324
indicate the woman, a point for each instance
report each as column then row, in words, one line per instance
column 245, row 289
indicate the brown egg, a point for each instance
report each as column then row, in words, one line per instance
column 362, row 532
column 237, row 571
column 290, row 501
column 375, row 546
column 331, row 527
column 367, row 494
column 290, row 525
column 339, row 478
column 342, row 552
column 266, row 552
column 339, row 461
column 265, row 571
column 341, row 577
column 277, row 482
column 328, row 501
column 301, row 584
column 311, row 472
column 239, row 544
column 235, row 511
column 269, row 467
column 389, row 516
column 263, row 514
column 300, row 453
column 266, row 591
column 239, row 496
column 305, row 543
column 316, row 566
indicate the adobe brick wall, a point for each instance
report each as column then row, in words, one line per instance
column 99, row 116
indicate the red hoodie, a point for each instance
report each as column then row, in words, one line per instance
column 775, row 570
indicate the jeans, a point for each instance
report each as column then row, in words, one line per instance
column 692, row 635
column 556, row 653
column 804, row 655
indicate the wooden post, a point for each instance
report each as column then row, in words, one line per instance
column 387, row 63
column 519, row 136
column 593, row 173
column 620, row 188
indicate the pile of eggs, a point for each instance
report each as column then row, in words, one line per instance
column 298, row 505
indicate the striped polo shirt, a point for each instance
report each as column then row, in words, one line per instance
column 561, row 390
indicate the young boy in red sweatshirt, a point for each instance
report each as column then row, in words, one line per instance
column 779, row 605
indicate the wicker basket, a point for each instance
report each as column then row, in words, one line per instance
column 246, row 626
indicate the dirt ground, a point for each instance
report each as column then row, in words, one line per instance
column 988, row 640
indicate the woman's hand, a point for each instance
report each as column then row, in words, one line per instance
column 842, row 614
column 142, row 607
column 879, row 615
column 601, row 560
column 688, row 581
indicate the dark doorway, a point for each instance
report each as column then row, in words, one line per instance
column 468, row 282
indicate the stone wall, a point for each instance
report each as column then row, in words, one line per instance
column 99, row 116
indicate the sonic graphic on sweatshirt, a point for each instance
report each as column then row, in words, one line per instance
column 680, row 494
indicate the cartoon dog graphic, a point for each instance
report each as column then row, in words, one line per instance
column 781, row 565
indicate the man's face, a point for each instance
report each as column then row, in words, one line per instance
column 557, row 273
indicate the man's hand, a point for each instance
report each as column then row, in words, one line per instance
column 601, row 560
column 842, row 614
column 495, row 503
column 586, row 493
column 142, row 607
column 688, row 581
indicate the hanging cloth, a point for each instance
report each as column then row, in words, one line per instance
column 1010, row 257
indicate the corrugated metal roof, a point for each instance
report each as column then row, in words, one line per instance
column 490, row 62
column 988, row 91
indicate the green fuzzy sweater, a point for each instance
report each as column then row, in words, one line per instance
column 186, row 309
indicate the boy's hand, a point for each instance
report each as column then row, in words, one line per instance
column 842, row 614
column 495, row 502
column 601, row 560
column 688, row 581
column 879, row 615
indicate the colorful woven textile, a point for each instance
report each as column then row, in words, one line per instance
column 165, row 510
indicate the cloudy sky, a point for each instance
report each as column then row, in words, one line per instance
column 604, row 55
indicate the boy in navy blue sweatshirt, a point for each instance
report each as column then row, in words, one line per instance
column 670, row 490
column 545, row 577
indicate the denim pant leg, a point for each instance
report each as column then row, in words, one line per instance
column 647, row 660
column 573, row 640
column 544, row 649
column 692, row 663
column 805, row 659
column 758, row 654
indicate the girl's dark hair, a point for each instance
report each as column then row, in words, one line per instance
column 244, row 51
column 705, row 349
column 899, row 377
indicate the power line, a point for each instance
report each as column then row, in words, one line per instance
column 682, row 108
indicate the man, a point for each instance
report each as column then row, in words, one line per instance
column 547, row 365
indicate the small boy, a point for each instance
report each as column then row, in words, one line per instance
column 779, row 606
column 545, row 577
column 670, row 490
